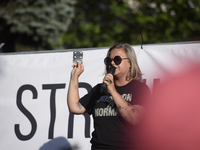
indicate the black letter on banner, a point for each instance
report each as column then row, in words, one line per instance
column 53, row 88
column 87, row 116
column 26, row 112
column 71, row 125
column 144, row 81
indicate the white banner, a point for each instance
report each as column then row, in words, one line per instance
column 33, row 92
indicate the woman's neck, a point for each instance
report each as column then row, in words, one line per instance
column 122, row 81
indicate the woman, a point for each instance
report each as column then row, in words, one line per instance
column 117, row 110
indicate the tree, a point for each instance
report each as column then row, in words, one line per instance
column 103, row 23
column 39, row 24
column 170, row 20
column 34, row 24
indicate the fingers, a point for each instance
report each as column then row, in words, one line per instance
column 108, row 79
column 80, row 66
column 77, row 69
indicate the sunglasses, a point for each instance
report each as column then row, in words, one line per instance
column 117, row 60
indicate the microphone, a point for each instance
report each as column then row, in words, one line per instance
column 110, row 70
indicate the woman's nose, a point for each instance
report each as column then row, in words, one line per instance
column 112, row 62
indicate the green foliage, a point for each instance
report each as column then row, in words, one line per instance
column 38, row 22
column 87, row 23
column 173, row 21
column 103, row 23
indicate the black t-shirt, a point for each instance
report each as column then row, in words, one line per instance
column 111, row 131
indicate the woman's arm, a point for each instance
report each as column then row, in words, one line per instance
column 131, row 113
column 73, row 93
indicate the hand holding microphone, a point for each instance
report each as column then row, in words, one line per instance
column 110, row 70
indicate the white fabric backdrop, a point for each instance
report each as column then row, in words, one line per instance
column 40, row 70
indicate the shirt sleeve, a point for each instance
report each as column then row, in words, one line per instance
column 141, row 95
column 88, row 100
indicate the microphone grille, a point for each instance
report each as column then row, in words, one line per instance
column 111, row 70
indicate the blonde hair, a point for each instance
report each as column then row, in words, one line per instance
column 134, row 72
